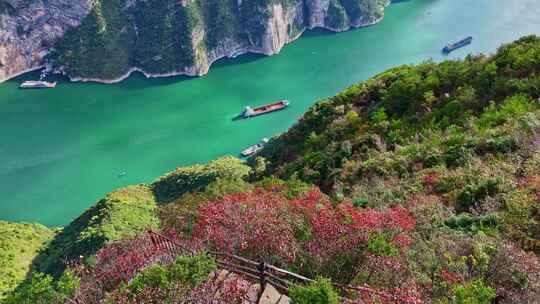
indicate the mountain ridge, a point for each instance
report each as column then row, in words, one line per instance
column 105, row 41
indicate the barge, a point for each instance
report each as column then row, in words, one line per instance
column 454, row 46
column 252, row 112
column 255, row 148
column 32, row 84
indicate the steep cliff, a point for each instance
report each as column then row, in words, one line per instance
column 28, row 29
column 162, row 38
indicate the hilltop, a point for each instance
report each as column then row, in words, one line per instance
column 421, row 182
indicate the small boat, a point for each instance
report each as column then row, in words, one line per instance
column 454, row 46
column 123, row 173
column 255, row 148
column 250, row 112
column 32, row 84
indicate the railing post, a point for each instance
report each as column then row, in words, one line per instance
column 262, row 276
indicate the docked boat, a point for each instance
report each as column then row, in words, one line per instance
column 454, row 46
column 32, row 84
column 251, row 112
column 255, row 148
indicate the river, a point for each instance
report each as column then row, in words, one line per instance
column 63, row 149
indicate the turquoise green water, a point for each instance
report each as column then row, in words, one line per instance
column 62, row 149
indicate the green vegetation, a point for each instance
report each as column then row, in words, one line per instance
column 189, row 270
column 337, row 16
column 317, row 292
column 42, row 288
column 123, row 213
column 164, row 35
column 154, row 35
column 381, row 246
column 220, row 20
column 367, row 10
column 19, row 245
column 185, row 272
column 169, row 36
column 100, row 47
column 197, row 177
column 475, row 292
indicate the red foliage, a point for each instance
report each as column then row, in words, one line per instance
column 254, row 224
column 368, row 295
column 263, row 225
column 402, row 241
column 400, row 219
column 451, row 277
column 332, row 230
column 431, row 179
column 515, row 274
column 233, row 291
column 266, row 226
column 117, row 263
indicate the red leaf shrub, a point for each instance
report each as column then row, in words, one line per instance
column 431, row 179
column 118, row 263
column 450, row 276
column 368, row 295
column 255, row 224
column 266, row 226
column 402, row 241
column 233, row 291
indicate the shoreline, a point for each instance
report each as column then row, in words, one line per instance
column 231, row 55
column 29, row 70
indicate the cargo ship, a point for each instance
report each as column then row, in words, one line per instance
column 251, row 112
column 454, row 46
column 255, row 148
column 33, row 84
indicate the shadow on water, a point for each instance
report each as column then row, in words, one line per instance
column 239, row 60
column 399, row 1
column 137, row 81
column 318, row 32
column 34, row 75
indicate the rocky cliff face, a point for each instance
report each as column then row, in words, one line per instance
column 111, row 39
column 28, row 29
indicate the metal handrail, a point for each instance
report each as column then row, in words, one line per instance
column 266, row 273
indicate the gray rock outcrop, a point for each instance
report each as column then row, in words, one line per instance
column 28, row 29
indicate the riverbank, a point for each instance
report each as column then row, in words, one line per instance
column 22, row 73
column 201, row 71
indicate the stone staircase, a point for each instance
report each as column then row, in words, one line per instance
column 272, row 296
column 269, row 295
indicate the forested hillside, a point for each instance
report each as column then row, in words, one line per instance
column 422, row 182
column 185, row 37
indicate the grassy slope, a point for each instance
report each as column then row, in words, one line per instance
column 123, row 213
column 19, row 245
column 194, row 178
